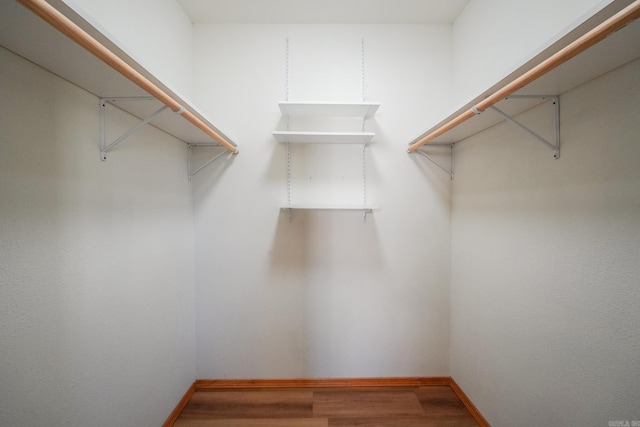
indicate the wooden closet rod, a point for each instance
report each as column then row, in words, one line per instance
column 63, row 24
column 589, row 39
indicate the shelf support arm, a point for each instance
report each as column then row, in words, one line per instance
column 192, row 172
column 104, row 147
column 449, row 171
column 555, row 146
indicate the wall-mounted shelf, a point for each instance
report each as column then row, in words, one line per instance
column 328, row 109
column 297, row 137
column 338, row 208
column 33, row 38
column 355, row 111
column 617, row 49
column 315, row 207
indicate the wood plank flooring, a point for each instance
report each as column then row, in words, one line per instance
column 432, row 406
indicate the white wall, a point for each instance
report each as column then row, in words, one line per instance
column 545, row 268
column 491, row 38
column 157, row 33
column 325, row 295
column 96, row 262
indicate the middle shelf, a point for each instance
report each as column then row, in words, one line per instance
column 323, row 137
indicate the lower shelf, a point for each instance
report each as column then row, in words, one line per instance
column 311, row 207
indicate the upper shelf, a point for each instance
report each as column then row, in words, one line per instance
column 29, row 36
column 363, row 110
column 614, row 51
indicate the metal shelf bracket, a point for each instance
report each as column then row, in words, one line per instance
column 192, row 172
column 106, row 147
column 450, row 170
column 555, row 103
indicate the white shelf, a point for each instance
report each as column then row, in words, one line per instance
column 616, row 50
column 314, row 207
column 27, row 35
column 328, row 109
column 362, row 111
column 323, row 137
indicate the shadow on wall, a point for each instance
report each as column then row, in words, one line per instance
column 333, row 260
column 306, row 240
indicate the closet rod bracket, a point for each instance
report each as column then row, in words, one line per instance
column 106, row 147
column 555, row 104
column 423, row 152
column 191, row 171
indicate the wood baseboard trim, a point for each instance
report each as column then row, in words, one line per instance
column 173, row 417
column 324, row 382
column 480, row 419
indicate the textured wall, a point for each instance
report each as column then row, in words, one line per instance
column 96, row 262
column 545, row 264
column 325, row 295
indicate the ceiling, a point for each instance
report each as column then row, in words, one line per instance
column 324, row 11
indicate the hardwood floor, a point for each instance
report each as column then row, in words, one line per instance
column 431, row 406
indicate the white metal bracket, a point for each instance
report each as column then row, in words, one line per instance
column 423, row 153
column 106, row 147
column 192, row 171
column 555, row 102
